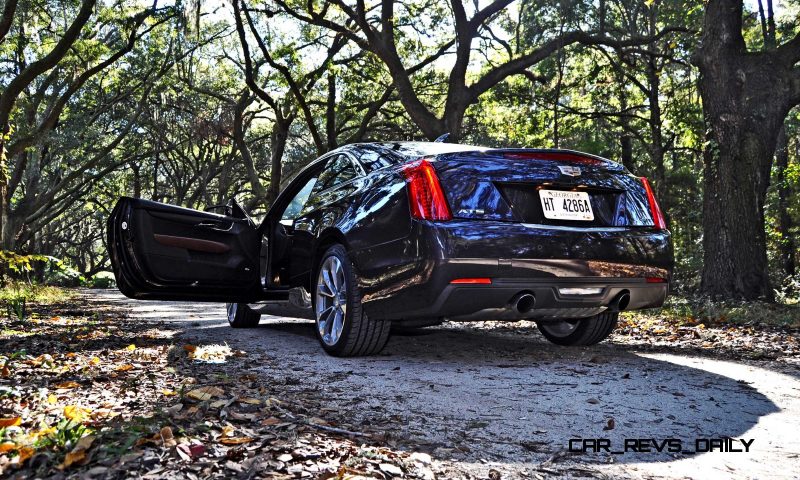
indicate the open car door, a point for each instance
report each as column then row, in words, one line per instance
column 164, row 252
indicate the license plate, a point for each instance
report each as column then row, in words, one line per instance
column 560, row 205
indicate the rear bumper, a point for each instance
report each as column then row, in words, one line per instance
column 497, row 301
column 517, row 258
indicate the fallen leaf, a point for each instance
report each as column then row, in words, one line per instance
column 85, row 442
column 394, row 470
column 167, row 437
column 25, row 453
column 610, row 424
column 124, row 368
column 197, row 449
column 205, row 393
column 51, row 399
column 285, row 458
column 5, row 372
column 69, row 384
column 10, row 422
column 94, row 361
column 235, row 440
column 130, row 347
column 168, row 393
column 243, row 417
column 251, row 401
column 189, row 452
column 7, row 447
column 271, row 421
column 76, row 413
column 78, row 454
column 155, row 440
column 190, row 348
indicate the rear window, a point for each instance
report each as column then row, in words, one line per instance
column 372, row 161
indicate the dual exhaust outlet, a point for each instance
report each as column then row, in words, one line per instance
column 525, row 302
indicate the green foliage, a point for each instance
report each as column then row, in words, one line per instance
column 16, row 295
column 22, row 264
column 64, row 435
column 102, row 280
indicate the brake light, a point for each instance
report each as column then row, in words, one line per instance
column 425, row 194
column 655, row 280
column 555, row 156
column 472, row 281
column 655, row 210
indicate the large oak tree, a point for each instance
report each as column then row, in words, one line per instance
column 746, row 97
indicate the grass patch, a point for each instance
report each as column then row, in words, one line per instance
column 695, row 310
column 15, row 297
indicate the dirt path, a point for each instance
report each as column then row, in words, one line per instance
column 499, row 397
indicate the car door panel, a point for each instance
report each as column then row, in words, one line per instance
column 324, row 207
column 174, row 253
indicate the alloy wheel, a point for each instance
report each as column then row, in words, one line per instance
column 331, row 302
column 231, row 308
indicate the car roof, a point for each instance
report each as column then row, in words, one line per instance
column 421, row 149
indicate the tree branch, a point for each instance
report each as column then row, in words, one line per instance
column 7, row 18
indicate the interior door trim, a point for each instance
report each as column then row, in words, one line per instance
column 189, row 243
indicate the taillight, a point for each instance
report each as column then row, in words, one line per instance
column 472, row 281
column 655, row 210
column 425, row 195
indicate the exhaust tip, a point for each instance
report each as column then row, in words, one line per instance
column 524, row 302
column 620, row 302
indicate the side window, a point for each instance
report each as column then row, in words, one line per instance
column 339, row 169
column 373, row 161
column 296, row 204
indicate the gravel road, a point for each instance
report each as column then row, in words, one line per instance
column 498, row 396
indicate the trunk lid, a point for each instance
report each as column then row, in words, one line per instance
column 507, row 185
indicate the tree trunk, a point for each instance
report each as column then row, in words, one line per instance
column 743, row 128
column 743, row 120
column 280, row 133
column 656, row 134
column 12, row 224
column 787, row 247
column 735, row 256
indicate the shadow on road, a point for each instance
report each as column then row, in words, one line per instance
column 512, row 398
column 472, row 393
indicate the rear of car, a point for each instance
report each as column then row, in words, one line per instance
column 509, row 234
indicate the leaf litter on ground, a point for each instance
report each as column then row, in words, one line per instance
column 90, row 392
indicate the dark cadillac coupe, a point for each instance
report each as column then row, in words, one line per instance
column 413, row 234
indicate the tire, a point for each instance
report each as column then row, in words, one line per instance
column 580, row 332
column 242, row 316
column 342, row 327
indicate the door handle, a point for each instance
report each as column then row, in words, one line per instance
column 215, row 226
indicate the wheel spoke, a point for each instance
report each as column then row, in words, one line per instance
column 323, row 290
column 329, row 321
column 336, row 328
column 326, row 277
column 322, row 323
column 336, row 272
